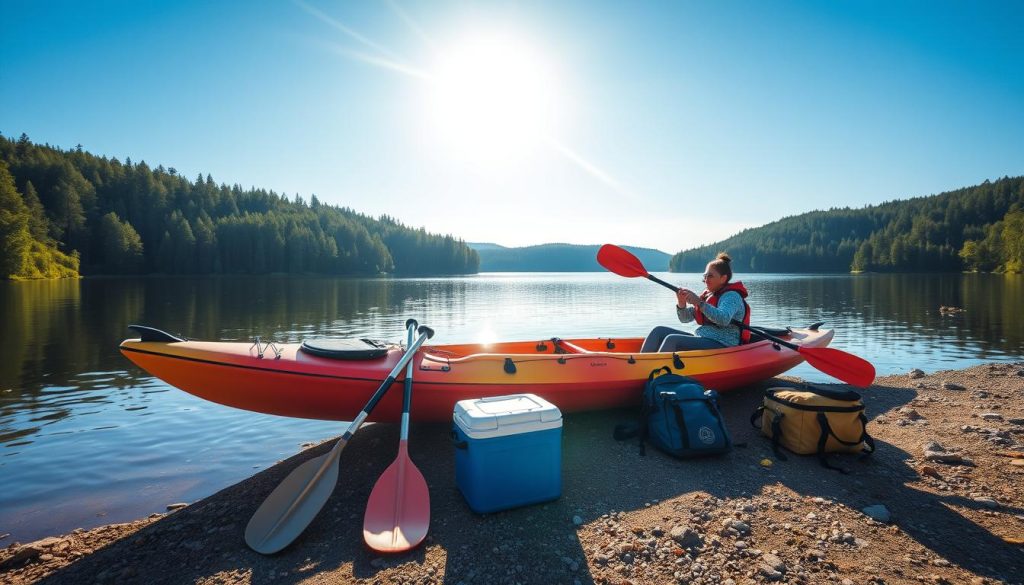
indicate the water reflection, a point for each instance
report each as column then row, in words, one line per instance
column 86, row 438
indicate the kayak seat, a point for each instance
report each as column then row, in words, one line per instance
column 776, row 332
column 345, row 349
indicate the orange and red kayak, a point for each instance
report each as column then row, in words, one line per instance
column 573, row 374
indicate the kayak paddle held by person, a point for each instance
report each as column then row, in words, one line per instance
column 714, row 310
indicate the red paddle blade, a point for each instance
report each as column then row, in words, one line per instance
column 398, row 512
column 847, row 367
column 619, row 261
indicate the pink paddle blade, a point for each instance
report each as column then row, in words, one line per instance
column 398, row 512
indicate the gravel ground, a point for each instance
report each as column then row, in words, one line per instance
column 948, row 474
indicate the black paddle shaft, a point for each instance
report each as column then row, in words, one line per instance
column 781, row 342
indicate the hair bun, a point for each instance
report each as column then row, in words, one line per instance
column 724, row 257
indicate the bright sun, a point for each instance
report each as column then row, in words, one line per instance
column 492, row 99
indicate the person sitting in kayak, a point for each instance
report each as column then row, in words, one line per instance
column 713, row 310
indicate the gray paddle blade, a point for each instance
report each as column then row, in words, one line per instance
column 293, row 504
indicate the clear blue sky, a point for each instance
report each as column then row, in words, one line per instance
column 659, row 124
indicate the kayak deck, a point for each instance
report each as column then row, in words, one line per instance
column 573, row 374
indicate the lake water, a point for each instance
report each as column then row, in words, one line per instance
column 86, row 438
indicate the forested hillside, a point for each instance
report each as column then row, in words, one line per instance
column 62, row 212
column 976, row 228
column 556, row 258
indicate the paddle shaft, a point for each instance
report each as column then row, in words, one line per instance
column 406, row 360
column 398, row 511
column 332, row 457
column 407, row 396
column 739, row 324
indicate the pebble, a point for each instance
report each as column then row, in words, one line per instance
column 774, row 562
column 952, row 386
column 943, row 457
column 991, row 416
column 769, row 573
column 910, row 413
column 576, row 520
column 987, row 502
column 737, row 525
column 878, row 512
column 916, row 373
column 685, row 536
column 21, row 554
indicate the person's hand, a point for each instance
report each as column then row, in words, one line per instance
column 681, row 296
column 693, row 298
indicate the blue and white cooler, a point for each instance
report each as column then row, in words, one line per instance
column 508, row 451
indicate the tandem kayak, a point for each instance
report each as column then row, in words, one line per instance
column 573, row 374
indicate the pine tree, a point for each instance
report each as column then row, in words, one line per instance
column 15, row 238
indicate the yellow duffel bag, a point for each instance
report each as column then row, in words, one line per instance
column 814, row 421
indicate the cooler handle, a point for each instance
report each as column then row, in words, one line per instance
column 456, row 442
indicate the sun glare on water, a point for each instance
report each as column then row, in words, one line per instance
column 492, row 99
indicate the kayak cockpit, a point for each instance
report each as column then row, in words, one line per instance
column 601, row 346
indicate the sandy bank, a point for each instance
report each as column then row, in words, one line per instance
column 629, row 519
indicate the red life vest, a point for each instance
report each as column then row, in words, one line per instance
column 712, row 299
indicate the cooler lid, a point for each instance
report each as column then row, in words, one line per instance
column 497, row 416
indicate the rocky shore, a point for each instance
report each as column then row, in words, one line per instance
column 941, row 501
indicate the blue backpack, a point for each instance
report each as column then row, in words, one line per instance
column 679, row 417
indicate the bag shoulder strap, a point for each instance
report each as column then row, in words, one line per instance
column 777, row 435
column 826, row 432
column 869, row 443
column 757, row 416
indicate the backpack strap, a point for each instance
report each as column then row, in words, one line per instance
column 626, row 431
column 713, row 407
column 681, row 421
column 654, row 372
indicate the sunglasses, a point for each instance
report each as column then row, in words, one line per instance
column 708, row 275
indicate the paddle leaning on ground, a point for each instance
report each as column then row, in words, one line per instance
column 294, row 503
column 836, row 363
column 398, row 512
